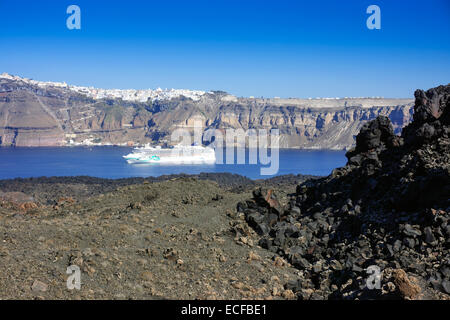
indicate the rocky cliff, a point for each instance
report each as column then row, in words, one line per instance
column 47, row 114
column 387, row 211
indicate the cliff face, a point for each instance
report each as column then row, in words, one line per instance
column 32, row 115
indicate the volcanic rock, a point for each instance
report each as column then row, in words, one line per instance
column 388, row 207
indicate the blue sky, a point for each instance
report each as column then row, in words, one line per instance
column 248, row 48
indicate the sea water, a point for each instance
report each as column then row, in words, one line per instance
column 107, row 162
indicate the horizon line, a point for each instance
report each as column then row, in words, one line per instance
column 6, row 75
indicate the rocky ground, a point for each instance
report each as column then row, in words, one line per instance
column 388, row 209
column 377, row 228
column 173, row 237
column 46, row 190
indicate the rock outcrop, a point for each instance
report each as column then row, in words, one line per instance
column 386, row 211
column 36, row 114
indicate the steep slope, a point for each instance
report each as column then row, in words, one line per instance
column 388, row 209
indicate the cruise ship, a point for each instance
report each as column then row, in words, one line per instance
column 178, row 154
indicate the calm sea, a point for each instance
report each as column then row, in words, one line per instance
column 107, row 162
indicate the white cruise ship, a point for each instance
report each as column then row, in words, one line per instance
column 176, row 155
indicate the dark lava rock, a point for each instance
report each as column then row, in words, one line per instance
column 431, row 115
column 388, row 207
column 446, row 286
column 375, row 133
column 431, row 105
column 410, row 231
